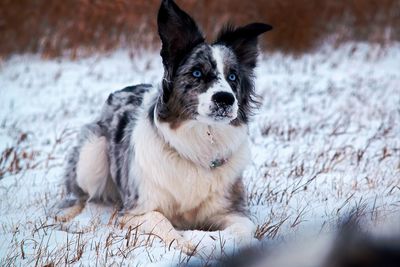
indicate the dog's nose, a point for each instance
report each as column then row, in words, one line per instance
column 223, row 98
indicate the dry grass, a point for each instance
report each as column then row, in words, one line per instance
column 21, row 157
column 18, row 157
column 324, row 143
column 56, row 27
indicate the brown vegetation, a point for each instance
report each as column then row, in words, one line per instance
column 52, row 27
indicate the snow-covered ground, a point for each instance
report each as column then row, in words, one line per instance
column 326, row 140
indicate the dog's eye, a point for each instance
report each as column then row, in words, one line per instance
column 197, row 74
column 232, row 77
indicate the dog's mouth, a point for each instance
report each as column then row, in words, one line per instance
column 218, row 113
column 222, row 117
column 222, row 114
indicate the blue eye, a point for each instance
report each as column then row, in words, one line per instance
column 232, row 77
column 197, row 74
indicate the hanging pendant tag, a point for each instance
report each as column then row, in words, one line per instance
column 217, row 163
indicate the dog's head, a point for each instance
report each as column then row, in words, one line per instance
column 211, row 83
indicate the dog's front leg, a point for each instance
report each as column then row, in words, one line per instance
column 156, row 223
column 237, row 225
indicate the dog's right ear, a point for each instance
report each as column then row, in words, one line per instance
column 179, row 35
column 243, row 41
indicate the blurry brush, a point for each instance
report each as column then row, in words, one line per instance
column 354, row 247
column 351, row 246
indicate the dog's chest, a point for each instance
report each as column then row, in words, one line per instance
column 179, row 186
column 187, row 195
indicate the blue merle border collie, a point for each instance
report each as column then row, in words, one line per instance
column 171, row 156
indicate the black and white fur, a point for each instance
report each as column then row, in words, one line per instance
column 171, row 156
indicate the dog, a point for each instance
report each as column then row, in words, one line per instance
column 171, row 156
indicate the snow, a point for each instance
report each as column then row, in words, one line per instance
column 325, row 141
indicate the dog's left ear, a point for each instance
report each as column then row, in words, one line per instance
column 178, row 32
column 243, row 41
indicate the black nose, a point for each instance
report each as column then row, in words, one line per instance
column 223, row 98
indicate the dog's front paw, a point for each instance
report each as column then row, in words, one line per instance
column 243, row 235
column 180, row 243
column 186, row 247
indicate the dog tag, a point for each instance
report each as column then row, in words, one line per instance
column 217, row 163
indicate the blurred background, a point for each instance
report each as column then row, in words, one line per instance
column 325, row 141
column 53, row 28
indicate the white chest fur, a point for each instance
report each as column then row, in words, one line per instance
column 171, row 167
column 202, row 143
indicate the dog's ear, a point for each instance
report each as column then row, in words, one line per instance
column 243, row 41
column 179, row 35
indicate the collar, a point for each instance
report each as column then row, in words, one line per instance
column 213, row 164
column 217, row 162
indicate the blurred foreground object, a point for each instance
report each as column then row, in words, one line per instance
column 351, row 246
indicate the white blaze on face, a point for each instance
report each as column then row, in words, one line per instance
column 220, row 85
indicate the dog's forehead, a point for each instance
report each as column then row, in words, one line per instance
column 201, row 55
column 224, row 57
column 211, row 56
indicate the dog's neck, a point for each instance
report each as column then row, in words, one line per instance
column 210, row 146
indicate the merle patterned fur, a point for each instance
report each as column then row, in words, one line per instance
column 116, row 123
column 175, row 101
